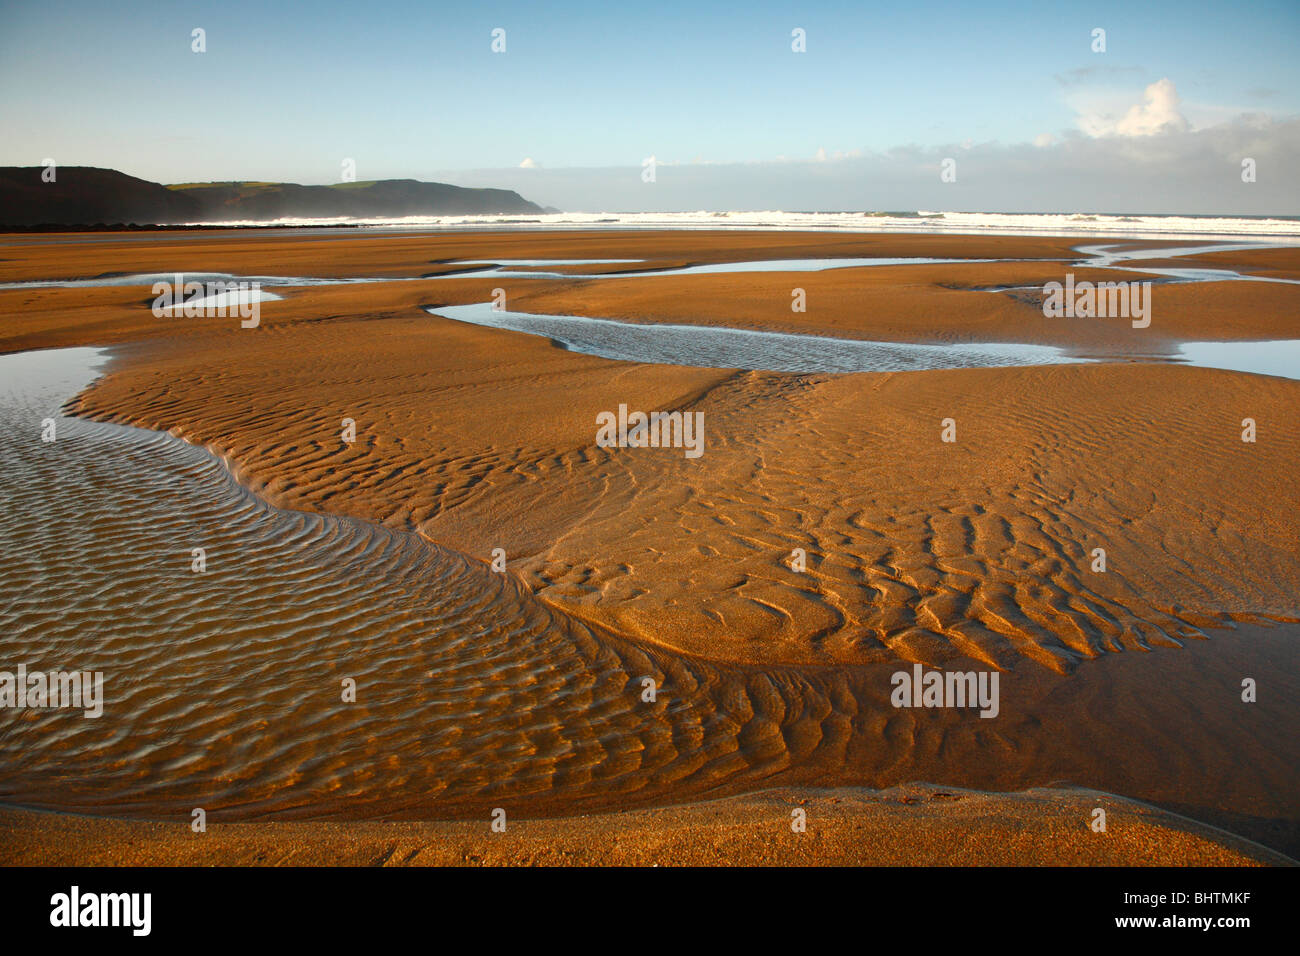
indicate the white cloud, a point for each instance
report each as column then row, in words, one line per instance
column 528, row 163
column 1157, row 113
column 821, row 154
column 1044, row 139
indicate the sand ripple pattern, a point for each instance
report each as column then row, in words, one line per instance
column 223, row 688
column 906, row 563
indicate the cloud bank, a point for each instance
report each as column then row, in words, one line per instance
column 1144, row 160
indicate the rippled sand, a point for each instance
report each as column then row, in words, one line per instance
column 479, row 689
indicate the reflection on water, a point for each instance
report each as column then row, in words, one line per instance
column 716, row 347
column 149, row 278
column 511, row 268
column 1105, row 256
column 1175, row 276
column 1280, row 358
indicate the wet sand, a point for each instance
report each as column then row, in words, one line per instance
column 973, row 553
column 917, row 825
column 915, row 546
column 349, row 253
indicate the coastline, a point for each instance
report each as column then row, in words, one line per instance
column 332, row 349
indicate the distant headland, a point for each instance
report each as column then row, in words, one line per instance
column 89, row 195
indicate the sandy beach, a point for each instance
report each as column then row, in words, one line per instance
column 917, row 825
column 973, row 553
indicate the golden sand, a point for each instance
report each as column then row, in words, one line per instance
column 917, row 550
column 917, row 825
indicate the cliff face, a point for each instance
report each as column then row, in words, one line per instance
column 89, row 195
column 385, row 198
column 86, row 194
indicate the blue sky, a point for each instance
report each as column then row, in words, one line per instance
column 285, row 91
